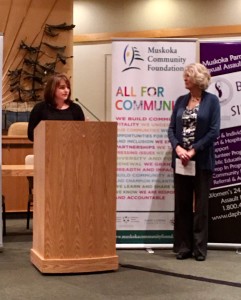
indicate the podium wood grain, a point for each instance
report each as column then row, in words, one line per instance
column 74, row 223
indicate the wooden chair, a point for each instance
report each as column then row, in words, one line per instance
column 4, row 215
column 21, row 129
column 18, row 128
column 29, row 160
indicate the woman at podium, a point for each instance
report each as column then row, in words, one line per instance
column 57, row 104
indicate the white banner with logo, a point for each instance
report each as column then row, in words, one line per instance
column 147, row 78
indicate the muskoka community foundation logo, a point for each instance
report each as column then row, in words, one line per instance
column 131, row 56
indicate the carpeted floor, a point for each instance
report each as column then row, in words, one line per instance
column 141, row 275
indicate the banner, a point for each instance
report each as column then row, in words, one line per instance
column 223, row 59
column 1, row 67
column 147, row 78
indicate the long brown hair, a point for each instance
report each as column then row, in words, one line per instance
column 51, row 86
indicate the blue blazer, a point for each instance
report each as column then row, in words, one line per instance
column 207, row 130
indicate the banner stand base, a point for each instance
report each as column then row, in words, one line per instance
column 170, row 246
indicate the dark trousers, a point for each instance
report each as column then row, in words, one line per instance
column 191, row 212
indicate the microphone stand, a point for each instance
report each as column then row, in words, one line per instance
column 81, row 104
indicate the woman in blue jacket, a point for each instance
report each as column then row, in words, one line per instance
column 193, row 129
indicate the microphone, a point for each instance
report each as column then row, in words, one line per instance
column 81, row 104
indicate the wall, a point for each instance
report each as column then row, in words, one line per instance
column 130, row 15
column 24, row 20
column 92, row 79
column 94, row 19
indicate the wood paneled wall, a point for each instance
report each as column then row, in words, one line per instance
column 196, row 32
column 25, row 20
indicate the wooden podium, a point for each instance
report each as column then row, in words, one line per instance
column 74, row 219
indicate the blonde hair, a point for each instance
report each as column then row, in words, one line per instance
column 199, row 75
